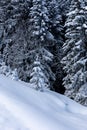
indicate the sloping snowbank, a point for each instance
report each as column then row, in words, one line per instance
column 8, row 121
column 40, row 110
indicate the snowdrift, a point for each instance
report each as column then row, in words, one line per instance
column 22, row 108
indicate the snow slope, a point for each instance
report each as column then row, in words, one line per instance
column 7, row 121
column 22, row 108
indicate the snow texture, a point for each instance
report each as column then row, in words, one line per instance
column 22, row 108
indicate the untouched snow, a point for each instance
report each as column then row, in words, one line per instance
column 7, row 121
column 22, row 108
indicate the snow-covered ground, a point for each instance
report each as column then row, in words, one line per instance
column 8, row 121
column 22, row 108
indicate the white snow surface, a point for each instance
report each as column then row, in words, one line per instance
column 22, row 108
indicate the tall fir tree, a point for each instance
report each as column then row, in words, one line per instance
column 75, row 58
column 40, row 41
column 56, row 28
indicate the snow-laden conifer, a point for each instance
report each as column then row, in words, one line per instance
column 75, row 58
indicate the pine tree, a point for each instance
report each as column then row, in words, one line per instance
column 75, row 49
column 16, row 35
column 38, row 76
column 56, row 28
column 41, row 40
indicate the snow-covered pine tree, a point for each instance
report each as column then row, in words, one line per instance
column 81, row 96
column 56, row 28
column 75, row 58
column 38, row 76
column 16, row 35
column 41, row 40
column 40, row 69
